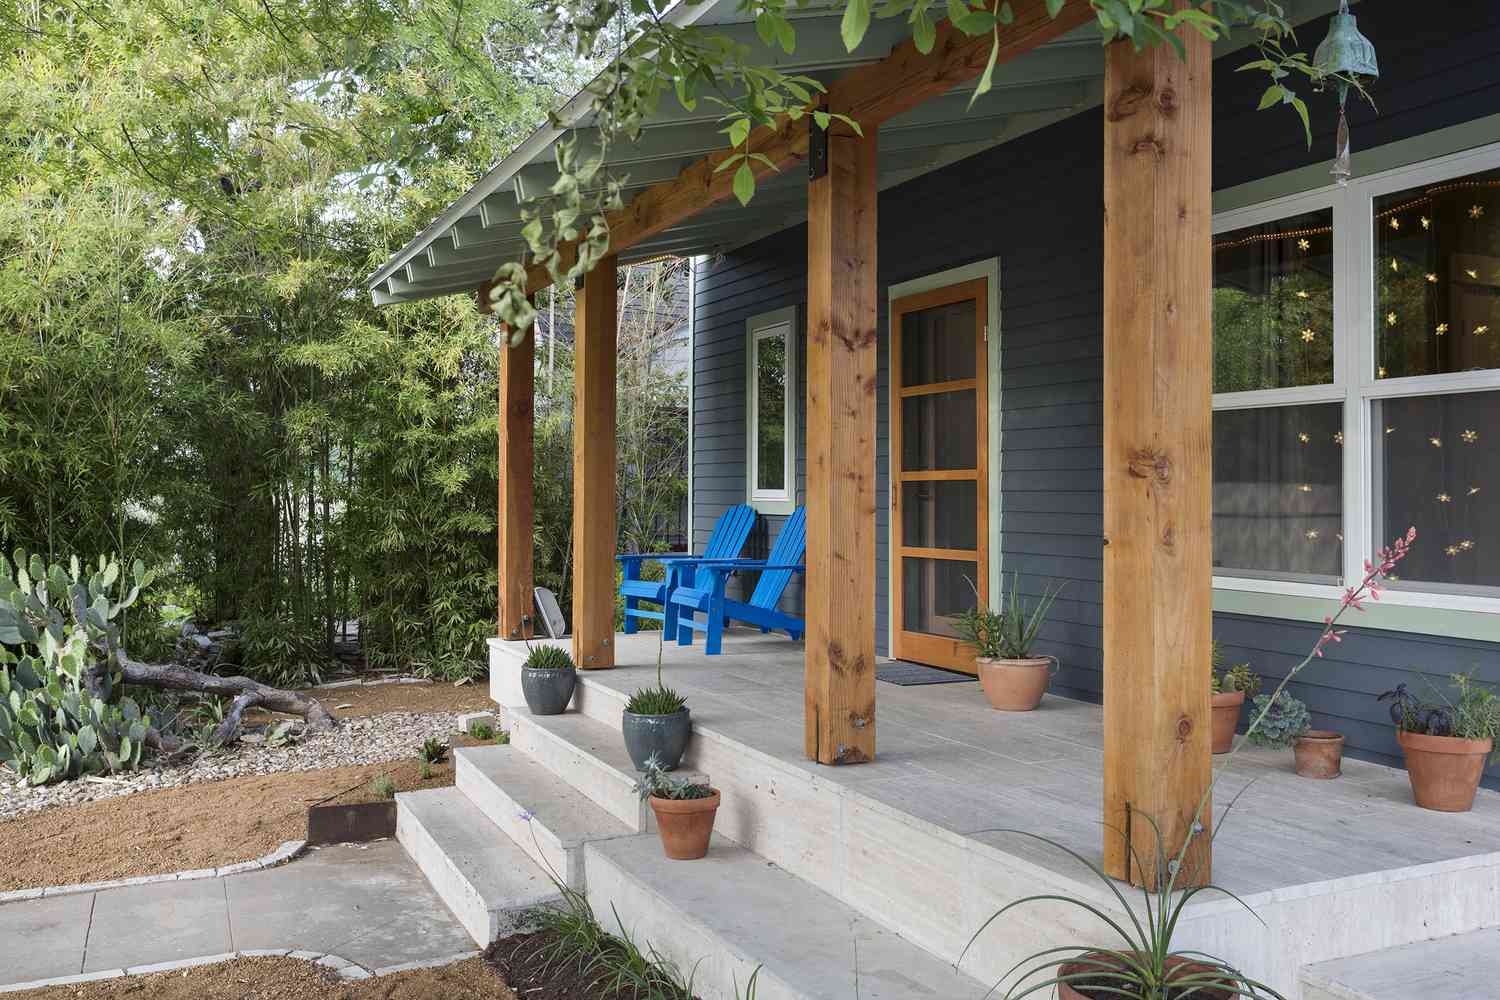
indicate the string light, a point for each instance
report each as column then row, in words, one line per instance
column 1426, row 222
column 1481, row 330
column 1390, row 318
column 1444, row 498
column 1472, row 273
column 1435, row 442
column 1304, row 437
column 1308, row 335
column 1476, row 211
column 1338, row 437
column 1431, row 278
column 1442, row 328
column 1304, row 244
column 1470, row 436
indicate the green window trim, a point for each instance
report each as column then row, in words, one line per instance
column 1441, row 623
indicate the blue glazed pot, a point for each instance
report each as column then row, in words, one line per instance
column 548, row 690
column 666, row 736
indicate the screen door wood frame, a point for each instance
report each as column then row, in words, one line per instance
column 922, row 647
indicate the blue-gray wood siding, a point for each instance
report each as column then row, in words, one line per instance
column 1037, row 204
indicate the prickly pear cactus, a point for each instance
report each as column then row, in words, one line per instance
column 58, row 719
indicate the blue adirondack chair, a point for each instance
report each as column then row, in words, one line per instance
column 728, row 537
column 706, row 591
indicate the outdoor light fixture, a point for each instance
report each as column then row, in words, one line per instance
column 1348, row 52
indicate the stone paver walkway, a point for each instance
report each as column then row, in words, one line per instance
column 367, row 904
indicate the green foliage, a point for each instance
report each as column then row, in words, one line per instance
column 655, row 700
column 382, row 787
column 434, row 750
column 1282, row 719
column 1474, row 714
column 425, row 770
column 481, row 730
column 656, row 782
column 284, row 733
column 549, row 658
column 60, row 714
column 281, row 652
column 1237, row 678
column 1006, row 634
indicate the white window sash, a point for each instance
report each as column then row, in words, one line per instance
column 759, row 328
column 1355, row 382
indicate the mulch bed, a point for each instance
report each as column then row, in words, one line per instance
column 519, row 962
column 288, row 979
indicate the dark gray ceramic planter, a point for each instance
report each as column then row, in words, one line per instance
column 666, row 736
column 547, row 689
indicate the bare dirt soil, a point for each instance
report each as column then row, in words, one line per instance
column 196, row 826
column 373, row 699
column 289, row 979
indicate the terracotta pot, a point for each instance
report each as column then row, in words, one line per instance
column 1014, row 685
column 1226, row 717
column 1176, row 966
column 1444, row 770
column 685, row 824
column 1319, row 754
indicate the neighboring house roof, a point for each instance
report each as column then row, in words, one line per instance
column 481, row 230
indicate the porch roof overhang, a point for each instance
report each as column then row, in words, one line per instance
column 463, row 246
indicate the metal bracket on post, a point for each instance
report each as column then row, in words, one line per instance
column 817, row 148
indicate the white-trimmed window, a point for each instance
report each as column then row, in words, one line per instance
column 771, row 411
column 1357, row 385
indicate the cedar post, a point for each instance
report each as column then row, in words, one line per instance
column 839, row 676
column 516, row 504
column 594, row 469
column 1158, row 353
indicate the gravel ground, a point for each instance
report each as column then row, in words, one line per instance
column 369, row 740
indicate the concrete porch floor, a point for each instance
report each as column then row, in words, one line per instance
column 944, row 756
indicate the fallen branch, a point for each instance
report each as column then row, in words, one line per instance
column 246, row 693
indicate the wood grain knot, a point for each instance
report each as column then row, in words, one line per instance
column 844, row 754
column 856, row 340
column 1149, row 144
column 1129, row 102
column 1166, row 102
column 1149, row 463
column 1168, row 538
column 1184, row 729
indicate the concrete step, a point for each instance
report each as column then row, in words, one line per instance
column 587, row 754
column 1460, row 967
column 480, row 873
column 547, row 817
column 721, row 918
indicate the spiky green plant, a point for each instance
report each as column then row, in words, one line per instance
column 549, row 658
column 1007, row 633
column 481, row 730
column 434, row 750
column 383, row 787
column 656, row 782
column 61, row 715
column 657, row 699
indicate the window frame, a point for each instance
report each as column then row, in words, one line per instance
column 761, row 327
column 1355, row 384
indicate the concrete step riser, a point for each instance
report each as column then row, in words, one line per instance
column 613, row 791
column 456, row 893
column 532, row 836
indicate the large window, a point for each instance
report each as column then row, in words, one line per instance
column 1357, row 384
column 771, row 404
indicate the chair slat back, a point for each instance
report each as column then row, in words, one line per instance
column 729, row 536
column 790, row 546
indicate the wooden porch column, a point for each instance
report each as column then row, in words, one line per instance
column 516, row 504
column 839, row 676
column 594, row 469
column 1158, row 588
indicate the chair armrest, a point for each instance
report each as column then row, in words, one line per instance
column 735, row 565
column 653, row 556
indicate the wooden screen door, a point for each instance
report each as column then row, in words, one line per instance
column 939, row 481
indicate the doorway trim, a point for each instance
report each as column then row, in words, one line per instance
column 989, row 270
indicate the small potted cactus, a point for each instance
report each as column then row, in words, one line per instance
column 1230, row 689
column 684, row 810
column 1446, row 742
column 547, row 680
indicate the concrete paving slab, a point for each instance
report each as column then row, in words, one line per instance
column 43, row 938
column 161, row 922
column 1460, row 967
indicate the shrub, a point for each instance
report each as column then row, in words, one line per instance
column 281, row 652
column 549, row 658
column 1283, row 720
column 1474, row 716
column 60, row 715
column 382, row 787
column 655, row 782
column 434, row 751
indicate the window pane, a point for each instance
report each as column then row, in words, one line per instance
column 1437, row 467
column 1278, row 491
column 940, row 514
column 938, row 344
column 939, row 430
column 1273, row 304
column 1437, row 278
column 933, row 592
column 770, row 412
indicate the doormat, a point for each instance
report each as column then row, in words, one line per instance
column 914, row 674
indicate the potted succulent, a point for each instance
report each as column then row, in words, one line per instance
column 684, row 810
column 547, row 680
column 1446, row 742
column 1285, row 721
column 656, row 723
column 1230, row 689
column 1012, row 679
